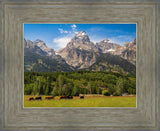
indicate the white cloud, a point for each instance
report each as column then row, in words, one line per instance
column 121, row 39
column 95, row 39
column 73, row 26
column 62, row 31
column 62, row 41
column 74, row 29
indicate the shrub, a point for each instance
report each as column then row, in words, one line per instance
column 116, row 94
column 106, row 93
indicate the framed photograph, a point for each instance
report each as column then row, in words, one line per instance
column 69, row 70
column 80, row 65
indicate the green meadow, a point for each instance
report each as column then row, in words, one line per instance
column 88, row 101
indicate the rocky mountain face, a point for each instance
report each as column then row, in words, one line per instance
column 49, row 52
column 34, row 48
column 106, row 46
column 37, row 53
column 39, row 47
column 82, row 42
column 81, row 53
column 127, row 51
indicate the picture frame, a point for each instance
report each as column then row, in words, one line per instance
column 15, row 116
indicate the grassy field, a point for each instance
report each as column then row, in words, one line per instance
column 88, row 101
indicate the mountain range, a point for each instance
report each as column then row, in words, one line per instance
column 81, row 54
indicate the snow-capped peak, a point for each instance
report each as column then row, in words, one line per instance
column 83, row 33
column 110, row 50
column 106, row 40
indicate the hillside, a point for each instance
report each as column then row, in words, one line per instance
column 113, row 63
column 35, row 62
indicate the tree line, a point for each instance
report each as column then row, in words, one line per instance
column 78, row 82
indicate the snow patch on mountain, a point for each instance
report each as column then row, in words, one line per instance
column 83, row 33
column 110, row 50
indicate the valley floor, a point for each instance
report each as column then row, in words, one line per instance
column 88, row 101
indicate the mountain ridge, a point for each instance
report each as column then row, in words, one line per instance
column 81, row 53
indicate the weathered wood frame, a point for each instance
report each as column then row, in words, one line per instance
column 15, row 116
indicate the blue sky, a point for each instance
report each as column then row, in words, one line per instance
column 56, row 36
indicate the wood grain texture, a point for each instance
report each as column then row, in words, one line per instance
column 15, row 116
